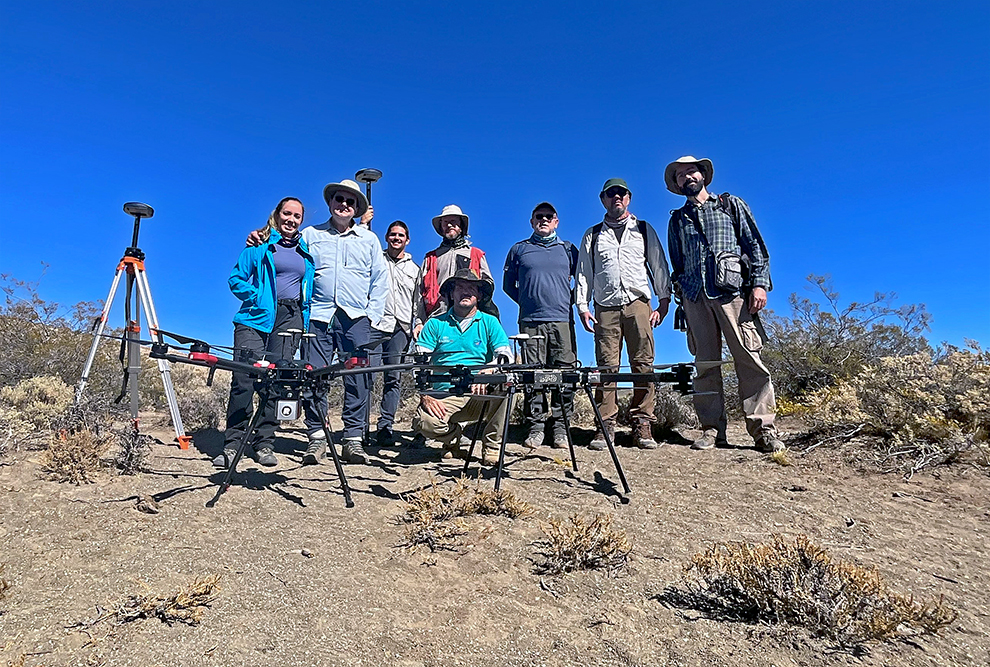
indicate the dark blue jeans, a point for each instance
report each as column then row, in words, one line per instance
column 341, row 336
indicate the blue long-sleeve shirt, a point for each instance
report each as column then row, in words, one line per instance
column 350, row 272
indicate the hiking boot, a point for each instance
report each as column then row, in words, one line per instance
column 489, row 456
column 353, row 451
column 223, row 459
column 768, row 442
column 709, row 439
column 706, row 441
column 317, row 450
column 384, row 437
column 535, row 437
column 559, row 436
column 266, row 457
column 598, row 442
column 643, row 435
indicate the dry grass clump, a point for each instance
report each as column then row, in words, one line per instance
column 922, row 410
column 799, row 583
column 434, row 515
column 184, row 606
column 781, row 458
column 74, row 457
column 579, row 543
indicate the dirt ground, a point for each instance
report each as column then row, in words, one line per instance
column 360, row 598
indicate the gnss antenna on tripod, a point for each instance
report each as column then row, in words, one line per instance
column 132, row 264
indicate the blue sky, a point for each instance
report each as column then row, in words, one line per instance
column 858, row 133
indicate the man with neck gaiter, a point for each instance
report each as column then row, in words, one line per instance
column 454, row 253
column 620, row 260
column 537, row 276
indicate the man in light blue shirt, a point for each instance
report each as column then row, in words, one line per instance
column 349, row 293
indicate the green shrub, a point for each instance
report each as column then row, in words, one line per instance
column 822, row 342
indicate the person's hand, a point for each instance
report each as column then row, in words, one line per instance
column 481, row 389
column 433, row 406
column 368, row 216
column 757, row 300
column 254, row 238
column 656, row 316
column 416, row 330
column 589, row 321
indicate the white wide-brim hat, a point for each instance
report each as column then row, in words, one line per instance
column 350, row 186
column 704, row 165
column 451, row 209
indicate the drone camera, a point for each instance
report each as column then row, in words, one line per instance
column 287, row 410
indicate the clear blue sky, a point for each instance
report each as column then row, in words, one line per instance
column 858, row 132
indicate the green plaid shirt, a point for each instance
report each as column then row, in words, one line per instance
column 693, row 262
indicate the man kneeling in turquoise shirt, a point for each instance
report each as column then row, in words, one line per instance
column 463, row 335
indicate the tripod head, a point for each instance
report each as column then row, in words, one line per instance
column 138, row 210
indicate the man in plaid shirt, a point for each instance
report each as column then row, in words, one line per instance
column 701, row 229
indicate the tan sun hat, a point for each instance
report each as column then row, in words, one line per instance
column 704, row 165
column 350, row 186
column 451, row 209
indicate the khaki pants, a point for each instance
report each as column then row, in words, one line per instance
column 708, row 320
column 632, row 324
column 463, row 411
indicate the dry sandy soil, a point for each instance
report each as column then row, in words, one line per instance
column 360, row 598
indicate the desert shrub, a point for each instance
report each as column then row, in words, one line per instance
column 28, row 408
column 44, row 338
column 822, row 342
column 434, row 515
column 581, row 543
column 799, row 583
column 74, row 457
column 185, row 605
column 925, row 409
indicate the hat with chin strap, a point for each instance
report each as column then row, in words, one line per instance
column 670, row 173
column 451, row 209
column 485, row 287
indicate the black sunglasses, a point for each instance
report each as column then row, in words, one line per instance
column 616, row 190
column 350, row 201
column 544, row 216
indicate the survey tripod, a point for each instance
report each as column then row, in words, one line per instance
column 543, row 379
column 138, row 296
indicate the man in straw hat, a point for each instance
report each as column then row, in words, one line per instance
column 537, row 275
column 463, row 334
column 707, row 238
column 620, row 261
column 349, row 293
column 454, row 253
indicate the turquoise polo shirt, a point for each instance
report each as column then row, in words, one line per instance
column 449, row 346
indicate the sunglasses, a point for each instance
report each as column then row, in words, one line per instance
column 350, row 201
column 615, row 190
column 544, row 216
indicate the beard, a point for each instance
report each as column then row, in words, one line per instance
column 692, row 188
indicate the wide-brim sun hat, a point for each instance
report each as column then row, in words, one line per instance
column 351, row 187
column 704, row 165
column 485, row 286
column 451, row 209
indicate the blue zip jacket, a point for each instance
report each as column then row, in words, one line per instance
column 253, row 282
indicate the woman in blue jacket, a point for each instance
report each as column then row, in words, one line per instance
column 274, row 281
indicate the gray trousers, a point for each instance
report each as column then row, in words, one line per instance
column 391, row 353
column 557, row 349
column 708, row 321
column 251, row 344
